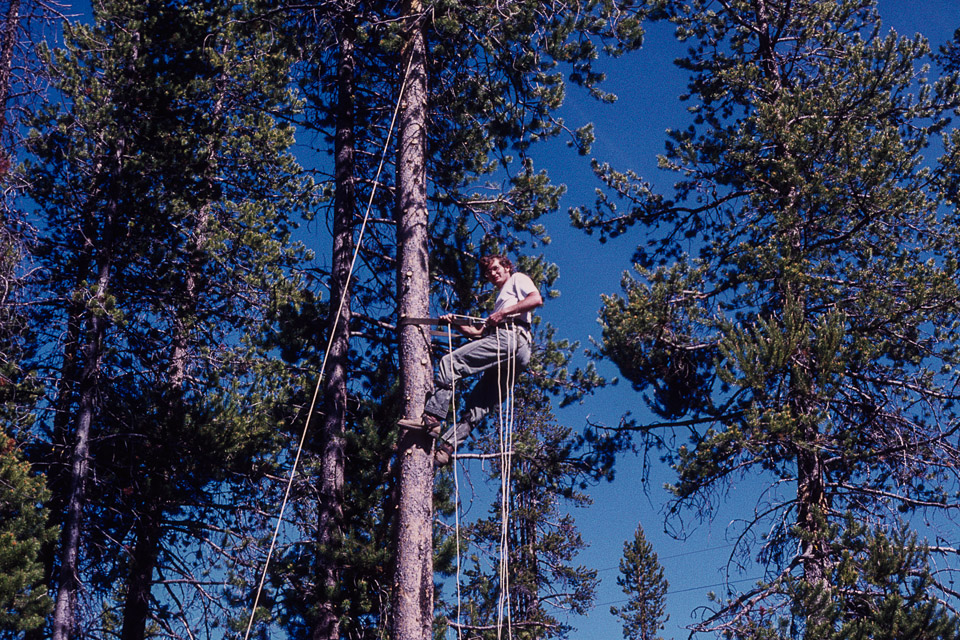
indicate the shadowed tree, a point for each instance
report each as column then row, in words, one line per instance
column 163, row 189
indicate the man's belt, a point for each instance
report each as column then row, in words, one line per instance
column 508, row 324
column 519, row 323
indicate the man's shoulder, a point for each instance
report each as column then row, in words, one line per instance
column 523, row 282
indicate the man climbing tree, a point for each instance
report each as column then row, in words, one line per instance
column 502, row 346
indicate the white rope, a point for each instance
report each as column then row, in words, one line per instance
column 456, row 476
column 506, row 450
column 506, row 420
column 508, row 462
column 502, row 570
column 323, row 365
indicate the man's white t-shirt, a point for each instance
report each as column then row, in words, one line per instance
column 517, row 287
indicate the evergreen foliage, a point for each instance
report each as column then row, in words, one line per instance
column 641, row 577
column 794, row 309
column 794, row 302
column 23, row 531
column 164, row 191
column 881, row 588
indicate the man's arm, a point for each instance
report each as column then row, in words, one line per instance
column 531, row 302
column 468, row 330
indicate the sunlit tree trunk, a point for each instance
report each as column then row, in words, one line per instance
column 413, row 583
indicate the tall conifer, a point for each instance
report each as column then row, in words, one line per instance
column 482, row 107
column 164, row 190
column 795, row 297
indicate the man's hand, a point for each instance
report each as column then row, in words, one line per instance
column 495, row 318
column 467, row 330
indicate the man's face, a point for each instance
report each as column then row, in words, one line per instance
column 497, row 274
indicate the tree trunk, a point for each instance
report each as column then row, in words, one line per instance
column 88, row 392
column 10, row 25
column 812, row 505
column 68, row 583
column 413, row 584
column 149, row 530
column 136, row 610
column 58, row 467
column 811, row 496
column 525, row 535
column 330, row 491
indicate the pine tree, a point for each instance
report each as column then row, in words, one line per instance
column 23, row 531
column 164, row 192
column 641, row 578
column 794, row 302
column 880, row 589
column 412, row 606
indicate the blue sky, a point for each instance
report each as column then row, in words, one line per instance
column 630, row 134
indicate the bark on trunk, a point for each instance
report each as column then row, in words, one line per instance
column 58, row 469
column 136, row 610
column 413, row 585
column 10, row 25
column 330, row 491
column 68, row 583
column 812, row 506
column 88, row 392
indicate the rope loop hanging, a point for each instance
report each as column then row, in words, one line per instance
column 506, row 373
column 506, row 417
column 456, row 485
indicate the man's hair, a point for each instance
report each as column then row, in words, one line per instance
column 488, row 260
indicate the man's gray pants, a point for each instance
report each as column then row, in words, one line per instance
column 500, row 354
